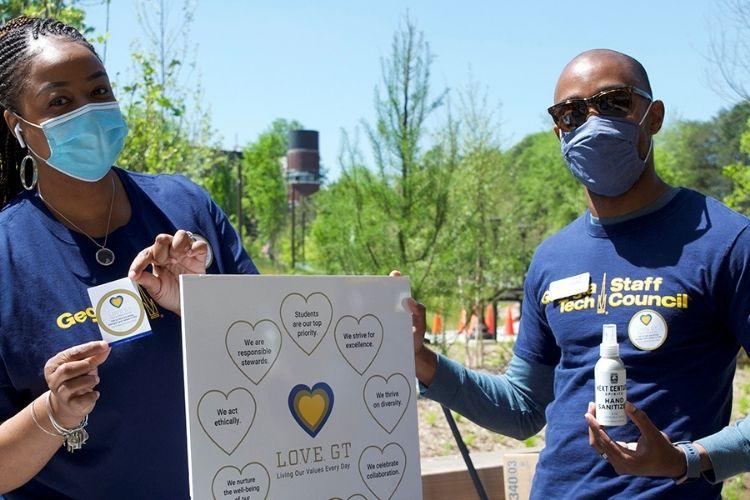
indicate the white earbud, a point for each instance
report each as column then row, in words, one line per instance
column 17, row 130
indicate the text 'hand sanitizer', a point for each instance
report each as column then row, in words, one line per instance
column 609, row 377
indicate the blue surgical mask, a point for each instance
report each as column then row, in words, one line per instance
column 603, row 154
column 85, row 142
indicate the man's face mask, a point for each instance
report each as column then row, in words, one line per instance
column 85, row 142
column 602, row 151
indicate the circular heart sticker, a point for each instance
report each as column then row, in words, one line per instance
column 647, row 330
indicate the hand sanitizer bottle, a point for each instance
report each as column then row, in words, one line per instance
column 609, row 377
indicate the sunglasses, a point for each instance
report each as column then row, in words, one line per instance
column 617, row 103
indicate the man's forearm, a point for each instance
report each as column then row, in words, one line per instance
column 727, row 452
column 512, row 404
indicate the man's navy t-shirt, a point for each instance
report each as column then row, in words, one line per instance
column 137, row 447
column 677, row 283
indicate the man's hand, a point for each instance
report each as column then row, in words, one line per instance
column 653, row 455
column 424, row 359
column 169, row 257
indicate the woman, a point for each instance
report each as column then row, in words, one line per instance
column 70, row 221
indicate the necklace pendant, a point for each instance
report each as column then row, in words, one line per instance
column 105, row 256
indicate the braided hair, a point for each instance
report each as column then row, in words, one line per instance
column 15, row 57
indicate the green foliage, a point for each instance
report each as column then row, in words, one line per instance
column 65, row 11
column 265, row 194
column 539, row 197
column 430, row 417
column 163, row 139
column 739, row 174
column 692, row 153
column 530, row 442
column 393, row 214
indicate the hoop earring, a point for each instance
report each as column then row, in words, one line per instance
column 34, row 172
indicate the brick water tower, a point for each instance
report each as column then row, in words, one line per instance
column 303, row 179
column 302, row 164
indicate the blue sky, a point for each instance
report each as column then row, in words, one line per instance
column 318, row 62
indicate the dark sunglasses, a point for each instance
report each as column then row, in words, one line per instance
column 617, row 103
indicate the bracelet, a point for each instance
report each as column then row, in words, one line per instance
column 74, row 438
column 692, row 460
column 33, row 417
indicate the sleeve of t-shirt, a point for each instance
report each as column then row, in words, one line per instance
column 734, row 288
column 729, row 451
column 512, row 404
column 535, row 340
column 233, row 254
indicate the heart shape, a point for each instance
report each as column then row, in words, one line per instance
column 646, row 319
column 387, row 399
column 359, row 340
column 311, row 407
column 306, row 319
column 226, row 418
column 116, row 301
column 380, row 480
column 251, row 482
column 253, row 349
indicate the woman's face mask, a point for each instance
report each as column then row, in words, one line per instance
column 85, row 142
column 603, row 154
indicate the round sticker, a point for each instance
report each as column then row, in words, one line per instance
column 647, row 330
column 120, row 312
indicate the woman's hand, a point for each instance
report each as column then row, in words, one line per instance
column 653, row 455
column 71, row 377
column 169, row 257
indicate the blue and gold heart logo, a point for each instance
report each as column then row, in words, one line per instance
column 116, row 301
column 311, row 407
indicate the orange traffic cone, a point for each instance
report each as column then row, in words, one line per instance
column 509, row 321
column 461, row 327
column 489, row 318
column 437, row 323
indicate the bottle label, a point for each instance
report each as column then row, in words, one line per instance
column 610, row 398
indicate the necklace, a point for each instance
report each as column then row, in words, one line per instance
column 104, row 255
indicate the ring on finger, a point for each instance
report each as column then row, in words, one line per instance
column 604, row 456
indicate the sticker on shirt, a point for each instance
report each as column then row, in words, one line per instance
column 567, row 287
column 119, row 310
column 647, row 330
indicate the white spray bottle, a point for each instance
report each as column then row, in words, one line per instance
column 609, row 377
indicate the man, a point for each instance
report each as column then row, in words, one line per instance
column 670, row 267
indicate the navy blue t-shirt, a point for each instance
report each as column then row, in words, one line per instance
column 683, row 271
column 137, row 446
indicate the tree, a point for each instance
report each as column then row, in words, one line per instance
column 729, row 50
column 66, row 11
column 170, row 130
column 693, row 153
column 539, row 197
column 400, row 205
column 474, row 205
column 739, row 173
column 265, row 198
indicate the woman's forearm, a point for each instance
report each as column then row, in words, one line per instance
column 25, row 448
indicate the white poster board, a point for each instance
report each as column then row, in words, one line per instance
column 299, row 387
